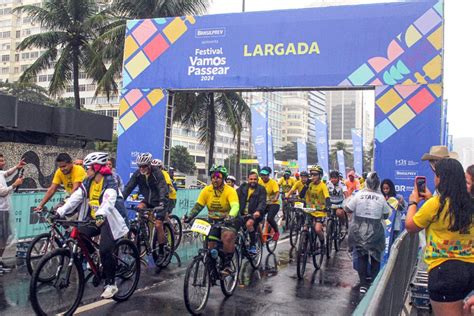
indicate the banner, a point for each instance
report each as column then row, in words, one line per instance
column 302, row 155
column 322, row 146
column 341, row 163
column 260, row 134
column 444, row 123
column 358, row 150
column 270, row 158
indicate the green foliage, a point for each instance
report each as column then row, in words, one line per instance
column 348, row 156
column 181, row 160
column 290, row 152
column 27, row 92
column 110, row 147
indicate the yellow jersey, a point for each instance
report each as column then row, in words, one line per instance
column 316, row 196
column 77, row 174
column 219, row 203
column 286, row 185
column 172, row 191
column 272, row 189
column 94, row 195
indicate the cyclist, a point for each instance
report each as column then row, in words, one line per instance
column 273, row 202
column 317, row 197
column 222, row 203
column 172, row 191
column 338, row 193
column 253, row 201
column 286, row 183
column 352, row 183
column 231, row 181
column 68, row 174
column 152, row 185
column 97, row 200
column 300, row 185
column 297, row 176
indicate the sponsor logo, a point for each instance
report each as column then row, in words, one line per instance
column 212, row 32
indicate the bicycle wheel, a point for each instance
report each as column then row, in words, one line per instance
column 139, row 241
column 39, row 246
column 318, row 252
column 329, row 237
column 63, row 294
column 229, row 283
column 271, row 243
column 197, row 285
column 164, row 259
column 177, row 229
column 294, row 231
column 337, row 235
column 256, row 259
column 127, row 272
column 302, row 254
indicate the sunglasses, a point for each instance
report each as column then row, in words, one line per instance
column 314, row 174
column 143, row 166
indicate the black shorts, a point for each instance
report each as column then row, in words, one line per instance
column 215, row 232
column 159, row 215
column 171, row 205
column 4, row 228
column 451, row 281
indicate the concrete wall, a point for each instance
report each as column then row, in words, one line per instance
column 40, row 161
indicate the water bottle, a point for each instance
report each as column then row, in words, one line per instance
column 214, row 253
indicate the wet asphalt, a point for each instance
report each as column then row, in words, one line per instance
column 274, row 289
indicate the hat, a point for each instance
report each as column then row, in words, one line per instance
column 438, row 153
column 266, row 171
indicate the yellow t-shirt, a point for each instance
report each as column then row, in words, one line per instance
column 272, row 189
column 94, row 195
column 316, row 196
column 286, row 185
column 298, row 186
column 172, row 193
column 77, row 174
column 249, row 194
column 442, row 244
column 218, row 203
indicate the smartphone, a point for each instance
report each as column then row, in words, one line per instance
column 421, row 184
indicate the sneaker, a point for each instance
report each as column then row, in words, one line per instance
column 276, row 236
column 110, row 291
column 252, row 250
column 363, row 290
column 226, row 271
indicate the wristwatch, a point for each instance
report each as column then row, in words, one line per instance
column 412, row 203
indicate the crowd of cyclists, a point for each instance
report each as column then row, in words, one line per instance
column 96, row 195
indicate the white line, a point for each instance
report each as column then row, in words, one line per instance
column 88, row 307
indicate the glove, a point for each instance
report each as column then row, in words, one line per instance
column 99, row 220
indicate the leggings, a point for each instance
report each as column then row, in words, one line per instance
column 106, row 248
column 363, row 263
column 272, row 210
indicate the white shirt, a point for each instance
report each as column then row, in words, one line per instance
column 368, row 204
column 5, row 191
column 336, row 192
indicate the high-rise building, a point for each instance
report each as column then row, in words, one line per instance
column 317, row 107
column 14, row 28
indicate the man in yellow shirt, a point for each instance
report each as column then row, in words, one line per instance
column 299, row 185
column 273, row 201
column 222, row 202
column 172, row 191
column 68, row 175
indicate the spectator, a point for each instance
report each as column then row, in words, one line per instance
column 79, row 162
column 67, row 174
column 470, row 179
column 352, row 183
column 5, row 206
column 437, row 153
column 366, row 233
column 396, row 202
column 111, row 165
column 448, row 221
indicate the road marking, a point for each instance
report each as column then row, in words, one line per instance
column 88, row 307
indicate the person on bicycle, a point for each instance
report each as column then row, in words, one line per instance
column 273, row 201
column 338, row 193
column 152, row 185
column 317, row 197
column 232, row 182
column 253, row 201
column 222, row 204
column 172, row 191
column 286, row 183
column 96, row 199
column 299, row 186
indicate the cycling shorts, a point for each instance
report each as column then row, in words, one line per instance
column 215, row 232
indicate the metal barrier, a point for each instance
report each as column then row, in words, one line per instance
column 388, row 292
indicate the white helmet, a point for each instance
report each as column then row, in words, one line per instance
column 100, row 158
column 231, row 178
column 144, row 159
column 157, row 162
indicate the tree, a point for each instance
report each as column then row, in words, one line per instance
column 348, row 157
column 25, row 91
column 369, row 158
column 231, row 163
column 110, row 147
column 290, row 152
column 181, row 160
column 110, row 44
column 71, row 27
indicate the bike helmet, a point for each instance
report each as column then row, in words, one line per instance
column 316, row 168
column 96, row 158
column 304, row 174
column 297, row 174
column 157, row 162
column 232, row 178
column 288, row 172
column 144, row 159
column 220, row 169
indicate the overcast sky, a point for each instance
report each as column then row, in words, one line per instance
column 458, row 59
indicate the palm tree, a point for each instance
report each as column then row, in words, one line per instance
column 71, row 27
column 111, row 42
column 347, row 156
column 237, row 114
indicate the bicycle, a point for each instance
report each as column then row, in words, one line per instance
column 175, row 223
column 333, row 230
column 267, row 235
column 297, row 221
column 44, row 243
column 243, row 243
column 143, row 233
column 309, row 244
column 57, row 285
column 203, row 271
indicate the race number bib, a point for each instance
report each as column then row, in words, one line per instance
column 201, row 227
column 299, row 205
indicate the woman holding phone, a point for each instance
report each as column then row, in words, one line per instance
column 449, row 224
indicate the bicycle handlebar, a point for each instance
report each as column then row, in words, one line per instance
column 74, row 223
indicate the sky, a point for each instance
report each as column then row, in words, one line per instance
column 457, row 63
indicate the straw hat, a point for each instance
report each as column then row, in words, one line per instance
column 438, row 153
